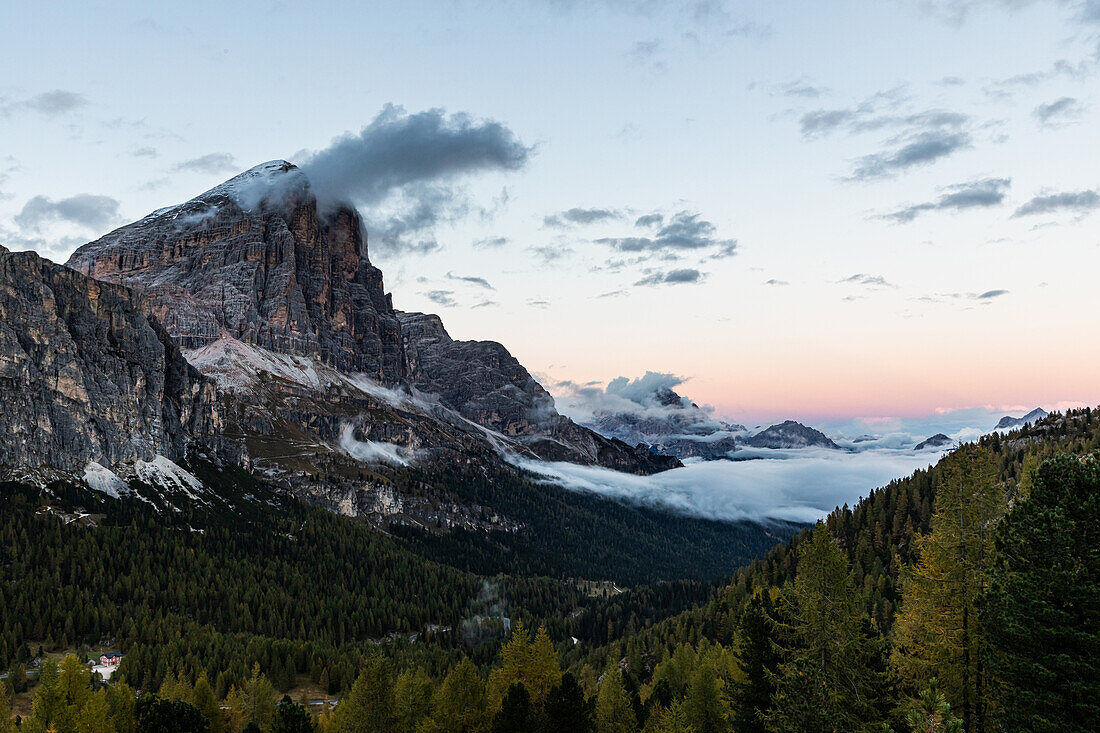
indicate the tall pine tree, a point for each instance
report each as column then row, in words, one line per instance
column 1041, row 612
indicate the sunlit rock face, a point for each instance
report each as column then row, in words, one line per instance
column 257, row 258
column 86, row 376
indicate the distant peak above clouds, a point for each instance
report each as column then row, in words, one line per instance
column 1008, row 422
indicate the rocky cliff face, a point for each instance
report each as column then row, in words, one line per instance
column 86, row 376
column 483, row 382
column 256, row 282
column 254, row 257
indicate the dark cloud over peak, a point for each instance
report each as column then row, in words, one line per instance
column 398, row 149
column 407, row 168
column 1080, row 202
column 975, row 194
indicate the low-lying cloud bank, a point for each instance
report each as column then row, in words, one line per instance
column 797, row 485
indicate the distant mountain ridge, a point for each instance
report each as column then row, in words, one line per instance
column 788, row 435
column 1008, row 422
column 939, row 440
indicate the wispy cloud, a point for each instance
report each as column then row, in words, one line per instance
column 975, row 194
column 919, row 149
column 473, row 280
column 441, row 297
column 917, row 137
column 986, row 296
column 491, row 242
column 802, row 89
column 649, row 55
column 684, row 231
column 867, row 281
column 1080, row 202
column 86, row 210
column 579, row 217
column 549, row 253
column 680, row 276
column 56, row 102
column 209, row 164
column 1059, row 112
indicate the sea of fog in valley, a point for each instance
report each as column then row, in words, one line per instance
column 797, row 485
column 800, row 485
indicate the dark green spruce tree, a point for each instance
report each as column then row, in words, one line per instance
column 759, row 661
column 1041, row 610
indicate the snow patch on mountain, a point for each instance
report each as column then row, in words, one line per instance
column 103, row 480
column 164, row 473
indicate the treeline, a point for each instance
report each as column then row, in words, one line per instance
column 998, row 628
column 290, row 571
column 264, row 578
column 525, row 691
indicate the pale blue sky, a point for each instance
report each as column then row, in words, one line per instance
column 795, row 129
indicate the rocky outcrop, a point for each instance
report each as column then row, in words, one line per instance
column 86, row 376
column 255, row 257
column 483, row 382
column 790, row 434
column 939, row 440
column 1008, row 422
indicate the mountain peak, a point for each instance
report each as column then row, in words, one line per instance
column 254, row 257
column 790, row 434
column 1009, row 422
column 260, row 183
